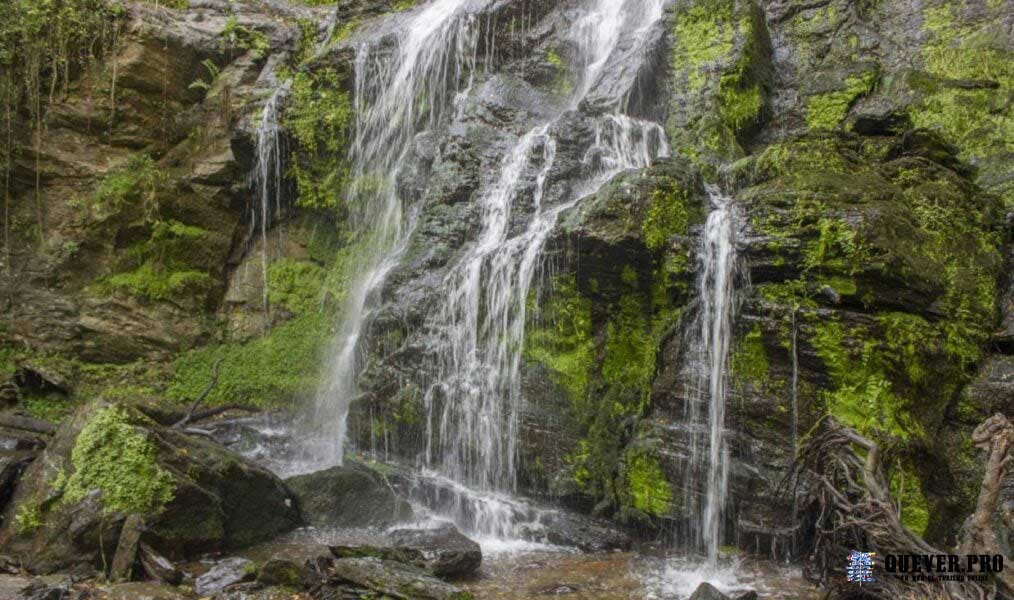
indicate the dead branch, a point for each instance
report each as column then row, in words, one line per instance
column 211, row 412
column 200, row 397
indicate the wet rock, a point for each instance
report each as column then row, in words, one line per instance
column 563, row 589
column 353, row 495
column 393, row 579
column 12, row 464
column 158, row 567
column 46, row 588
column 751, row 595
column 280, row 571
column 194, row 496
column 140, row 590
column 225, row 573
column 586, row 533
column 706, row 591
column 445, row 551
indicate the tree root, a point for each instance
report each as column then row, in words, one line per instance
column 847, row 499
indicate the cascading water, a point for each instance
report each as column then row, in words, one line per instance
column 475, row 401
column 396, row 97
column 706, row 408
column 267, row 176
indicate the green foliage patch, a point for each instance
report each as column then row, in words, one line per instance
column 265, row 372
column 319, row 119
column 116, row 456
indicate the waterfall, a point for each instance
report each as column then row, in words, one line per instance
column 712, row 335
column 396, row 96
column 474, row 403
column 267, row 178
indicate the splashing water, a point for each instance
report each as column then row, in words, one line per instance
column 712, row 335
column 475, row 401
column 396, row 97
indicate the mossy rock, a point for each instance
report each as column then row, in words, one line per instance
column 109, row 461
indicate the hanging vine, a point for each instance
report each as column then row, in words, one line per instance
column 44, row 44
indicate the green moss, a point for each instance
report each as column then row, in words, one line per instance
column 402, row 5
column 906, row 490
column 28, row 518
column 115, row 456
column 861, row 394
column 345, row 31
column 268, row 371
column 647, row 486
column 295, row 284
column 749, row 361
column 162, row 265
column 157, row 283
column 51, row 406
column 319, row 119
column 561, row 338
column 703, row 35
column 667, row 216
column 976, row 119
column 826, row 111
column 629, row 361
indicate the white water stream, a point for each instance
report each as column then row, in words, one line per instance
column 475, row 402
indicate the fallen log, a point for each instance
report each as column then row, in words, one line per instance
column 15, row 421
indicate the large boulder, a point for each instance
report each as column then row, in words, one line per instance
column 108, row 462
column 445, row 551
column 352, row 495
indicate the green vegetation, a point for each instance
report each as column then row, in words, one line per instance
column 977, row 116
column 647, row 485
column 162, row 265
column 906, row 489
column 28, row 518
column 561, row 338
column 266, row 372
column 667, row 216
column 703, row 35
column 826, row 111
column 295, row 284
column 137, row 182
column 116, row 456
column 319, row 119
column 238, row 38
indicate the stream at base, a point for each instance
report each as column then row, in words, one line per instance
column 519, row 570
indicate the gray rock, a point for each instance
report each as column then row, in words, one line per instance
column 227, row 572
column 353, row 495
column 393, row 579
column 445, row 552
column 706, row 591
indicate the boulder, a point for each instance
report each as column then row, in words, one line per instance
column 706, row 591
column 227, row 572
column 107, row 462
column 442, row 552
column 392, row 579
column 445, row 551
column 352, row 495
column 281, row 571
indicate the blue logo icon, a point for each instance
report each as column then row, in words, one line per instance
column 860, row 567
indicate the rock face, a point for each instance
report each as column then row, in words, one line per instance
column 353, row 495
column 107, row 462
